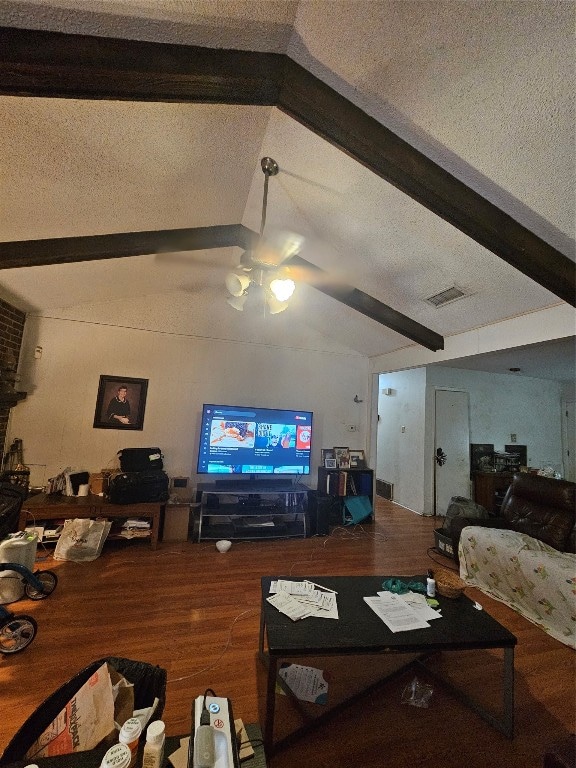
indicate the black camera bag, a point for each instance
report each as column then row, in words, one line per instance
column 140, row 459
column 138, row 487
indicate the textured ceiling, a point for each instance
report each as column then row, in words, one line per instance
column 478, row 87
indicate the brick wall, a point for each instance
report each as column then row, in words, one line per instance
column 11, row 330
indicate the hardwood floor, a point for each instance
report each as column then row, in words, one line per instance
column 195, row 612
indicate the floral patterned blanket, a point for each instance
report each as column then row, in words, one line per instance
column 531, row 577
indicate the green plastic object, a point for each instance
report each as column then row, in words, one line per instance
column 356, row 509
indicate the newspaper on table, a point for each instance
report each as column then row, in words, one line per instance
column 301, row 599
column 404, row 612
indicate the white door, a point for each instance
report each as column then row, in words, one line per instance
column 452, row 448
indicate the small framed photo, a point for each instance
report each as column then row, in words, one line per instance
column 357, row 459
column 120, row 403
column 330, row 463
column 327, row 454
column 342, row 456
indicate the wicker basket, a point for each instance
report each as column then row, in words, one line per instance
column 448, row 583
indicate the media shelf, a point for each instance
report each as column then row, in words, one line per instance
column 335, row 485
column 235, row 513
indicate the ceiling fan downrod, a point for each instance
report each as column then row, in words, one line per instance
column 269, row 168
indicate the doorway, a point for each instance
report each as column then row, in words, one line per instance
column 451, row 448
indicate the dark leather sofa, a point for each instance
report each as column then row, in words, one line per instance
column 541, row 507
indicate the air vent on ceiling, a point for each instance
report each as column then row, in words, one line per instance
column 447, row 296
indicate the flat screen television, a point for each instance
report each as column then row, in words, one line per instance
column 243, row 440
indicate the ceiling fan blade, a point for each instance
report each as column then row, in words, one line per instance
column 367, row 305
column 66, row 250
column 272, row 252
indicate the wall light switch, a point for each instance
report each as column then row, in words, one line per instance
column 402, row 429
column 512, row 438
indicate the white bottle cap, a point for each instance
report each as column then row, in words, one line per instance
column 118, row 756
column 131, row 730
column 155, row 732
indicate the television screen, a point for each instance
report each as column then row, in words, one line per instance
column 241, row 440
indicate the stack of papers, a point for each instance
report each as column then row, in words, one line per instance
column 300, row 599
column 135, row 523
column 401, row 613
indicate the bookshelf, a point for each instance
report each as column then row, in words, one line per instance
column 335, row 485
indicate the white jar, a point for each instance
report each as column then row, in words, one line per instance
column 154, row 747
column 118, row 756
column 130, row 735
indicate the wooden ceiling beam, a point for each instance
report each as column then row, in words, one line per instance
column 67, row 250
column 367, row 305
column 53, row 64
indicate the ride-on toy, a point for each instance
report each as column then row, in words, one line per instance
column 18, row 630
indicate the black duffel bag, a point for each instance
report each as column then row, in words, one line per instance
column 137, row 487
column 140, row 459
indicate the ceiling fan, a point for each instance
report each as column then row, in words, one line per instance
column 261, row 274
column 266, row 272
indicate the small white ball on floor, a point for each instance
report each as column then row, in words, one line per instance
column 223, row 545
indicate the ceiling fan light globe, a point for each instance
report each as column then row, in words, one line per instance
column 237, row 284
column 275, row 306
column 237, row 301
column 282, row 289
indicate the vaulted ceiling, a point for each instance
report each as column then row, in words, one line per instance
column 421, row 145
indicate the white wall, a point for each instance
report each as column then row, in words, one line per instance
column 400, row 454
column 554, row 322
column 55, row 421
column 499, row 405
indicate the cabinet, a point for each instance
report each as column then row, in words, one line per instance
column 335, row 485
column 490, row 489
column 235, row 513
column 44, row 506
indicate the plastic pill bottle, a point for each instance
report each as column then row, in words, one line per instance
column 118, row 756
column 154, row 746
column 130, row 735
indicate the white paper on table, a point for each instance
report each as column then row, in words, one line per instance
column 395, row 613
column 418, row 603
column 312, row 601
column 328, row 608
column 292, row 587
column 286, row 604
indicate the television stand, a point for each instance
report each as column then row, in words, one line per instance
column 233, row 511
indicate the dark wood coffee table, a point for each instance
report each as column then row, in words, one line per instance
column 359, row 631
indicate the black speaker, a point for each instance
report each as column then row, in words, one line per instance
column 318, row 514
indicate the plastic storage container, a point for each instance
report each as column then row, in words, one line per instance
column 18, row 548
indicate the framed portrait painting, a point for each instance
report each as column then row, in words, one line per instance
column 120, row 403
